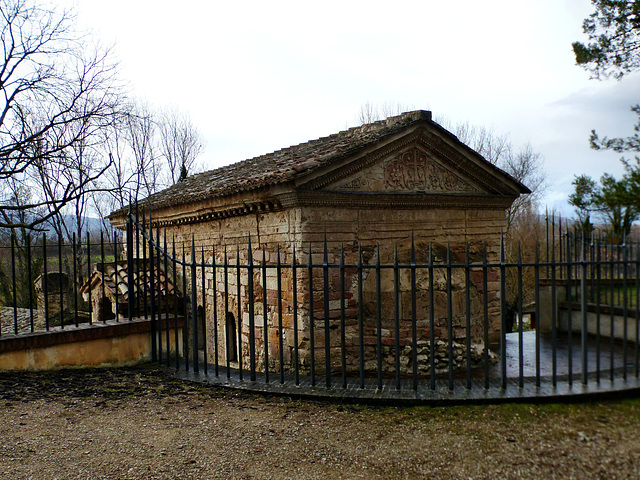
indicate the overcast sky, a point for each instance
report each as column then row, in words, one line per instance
column 257, row 76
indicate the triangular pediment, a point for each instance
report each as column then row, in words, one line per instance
column 410, row 171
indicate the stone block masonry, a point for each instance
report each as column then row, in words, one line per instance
column 372, row 192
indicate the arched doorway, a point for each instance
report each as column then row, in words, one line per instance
column 232, row 339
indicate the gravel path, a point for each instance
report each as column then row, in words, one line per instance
column 135, row 423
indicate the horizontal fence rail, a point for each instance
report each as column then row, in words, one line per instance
column 326, row 316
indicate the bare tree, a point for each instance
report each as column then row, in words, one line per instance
column 370, row 113
column 523, row 164
column 56, row 93
column 180, row 144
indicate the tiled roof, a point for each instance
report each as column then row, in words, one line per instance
column 283, row 165
column 116, row 277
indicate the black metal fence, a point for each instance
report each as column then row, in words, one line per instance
column 404, row 317
column 41, row 279
column 401, row 317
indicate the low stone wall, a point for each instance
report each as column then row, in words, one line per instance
column 113, row 343
column 606, row 321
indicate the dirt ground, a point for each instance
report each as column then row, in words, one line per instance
column 134, row 423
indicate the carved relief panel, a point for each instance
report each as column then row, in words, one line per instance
column 411, row 171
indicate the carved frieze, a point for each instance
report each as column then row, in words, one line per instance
column 414, row 171
column 411, row 171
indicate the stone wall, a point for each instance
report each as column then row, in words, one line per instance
column 345, row 229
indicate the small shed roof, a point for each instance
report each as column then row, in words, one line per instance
column 114, row 278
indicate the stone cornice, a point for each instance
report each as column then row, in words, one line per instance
column 397, row 201
column 186, row 217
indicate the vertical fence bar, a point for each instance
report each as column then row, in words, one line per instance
column 554, row 314
column 561, row 245
column 227, row 333
column 45, row 283
column 265, row 307
column 467, row 284
column 414, row 321
column 485, row 320
column 583, row 311
column 625, row 312
column 503, row 320
column 432, row 326
column 145, row 283
column 378, row 317
column 185, row 308
column 536, row 273
column 343, row 353
column 311, row 320
column 637, row 312
column 137, row 267
column 130, row 273
column 152, row 296
column 239, row 296
column 252, row 326
column 280, row 329
column 569, row 278
column 194, row 307
column 612, row 314
column 75, row 278
column 546, row 232
column 294, row 279
column 449, row 317
column 175, row 296
column 598, row 299
column 14, row 283
column 520, row 326
column 325, row 297
column 396, row 302
column 30, row 280
column 116, row 277
column 215, row 311
column 61, row 290
column 158, row 294
column 592, row 274
column 360, row 316
column 205, row 362
column 89, row 278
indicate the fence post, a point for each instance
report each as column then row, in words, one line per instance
column 327, row 337
column 130, row 290
column 194, row 307
column 379, row 316
column 414, row 323
column 45, row 285
column 311, row 320
column 252, row 333
column 294, row 276
column 13, row 284
column 583, row 311
column 205, row 363
column 503, row 319
column 360, row 316
column 396, row 300
column 449, row 317
column 265, row 311
column 152, row 296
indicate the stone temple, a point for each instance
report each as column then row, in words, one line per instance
column 372, row 189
